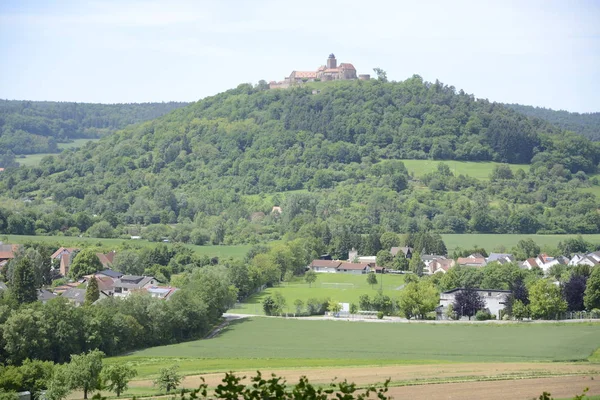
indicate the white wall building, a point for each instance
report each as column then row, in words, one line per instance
column 495, row 300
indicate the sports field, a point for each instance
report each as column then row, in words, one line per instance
column 343, row 288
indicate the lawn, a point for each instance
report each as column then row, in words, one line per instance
column 344, row 288
column 479, row 170
column 278, row 343
column 494, row 241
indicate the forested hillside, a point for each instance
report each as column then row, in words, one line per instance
column 329, row 159
column 587, row 124
column 28, row 127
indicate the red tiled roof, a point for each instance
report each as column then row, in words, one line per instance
column 347, row 66
column 6, row 255
column 305, row 74
column 353, row 266
column 532, row 262
column 469, row 260
column 59, row 251
column 325, row 263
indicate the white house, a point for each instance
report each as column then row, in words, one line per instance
column 495, row 300
column 128, row 283
column 328, row 266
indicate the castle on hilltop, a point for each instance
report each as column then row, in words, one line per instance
column 329, row 72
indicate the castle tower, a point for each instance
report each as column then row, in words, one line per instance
column 331, row 61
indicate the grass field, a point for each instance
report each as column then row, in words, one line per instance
column 479, row 170
column 349, row 290
column 235, row 251
column 495, row 241
column 34, row 159
column 279, row 343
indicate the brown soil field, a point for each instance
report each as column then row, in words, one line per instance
column 484, row 380
column 559, row 387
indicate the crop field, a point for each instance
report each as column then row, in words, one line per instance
column 343, row 288
column 261, row 342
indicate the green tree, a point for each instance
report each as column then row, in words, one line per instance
column 299, row 305
column 526, row 248
column 546, row 300
column 418, row 298
column 334, row 306
column 92, row 292
column 353, row 308
column 101, row 229
column 416, row 265
column 23, row 285
column 168, row 378
column 83, row 372
column 401, row 263
column 389, row 240
column 116, row 377
column 591, row 299
column 520, row 310
column 85, row 262
column 58, row 386
column 381, row 75
column 385, row 259
column 310, row 277
column 372, row 279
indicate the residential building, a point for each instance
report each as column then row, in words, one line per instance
column 164, row 293
column 354, row 268
column 440, row 265
column 106, row 259
column 495, row 301
column 62, row 258
column 408, row 251
column 44, row 295
column 501, row 258
column 7, row 251
column 474, row 260
column 328, row 266
column 131, row 283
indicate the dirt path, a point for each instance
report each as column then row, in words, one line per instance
column 410, row 374
column 560, row 387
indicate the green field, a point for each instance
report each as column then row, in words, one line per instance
column 494, row 241
column 348, row 291
column 234, row 251
column 34, row 159
column 479, row 170
column 278, row 342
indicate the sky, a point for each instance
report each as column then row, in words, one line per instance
column 544, row 53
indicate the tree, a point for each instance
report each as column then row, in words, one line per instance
column 546, row 300
column 520, row 310
column 299, row 305
column 418, row 298
column 467, row 302
column 385, row 259
column 401, row 263
column 353, row 308
column 416, row 265
column 92, row 292
column 381, row 75
column 280, row 302
column 58, row 386
column 389, row 240
column 372, row 279
column 117, row 376
column 24, row 287
column 85, row 262
column 526, row 248
column 310, row 277
column 591, row 298
column 334, row 306
column 101, row 229
column 574, row 291
column 168, row 378
column 83, row 372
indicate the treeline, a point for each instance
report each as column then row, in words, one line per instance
column 586, row 124
column 28, row 127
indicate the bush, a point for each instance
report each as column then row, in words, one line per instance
column 379, row 314
column 483, row 315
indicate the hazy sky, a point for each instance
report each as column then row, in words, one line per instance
column 543, row 53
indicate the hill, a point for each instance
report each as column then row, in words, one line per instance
column 586, row 124
column 212, row 171
column 30, row 127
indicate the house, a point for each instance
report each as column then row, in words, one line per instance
column 501, row 258
column 75, row 296
column 354, row 257
column 495, row 300
column 63, row 288
column 530, row 263
column 62, row 258
column 109, row 273
column 595, row 255
column 106, row 259
column 354, row 268
column 164, row 293
column 408, row 251
column 128, row 283
column 105, row 283
column 588, row 260
column 441, row 265
column 474, row 260
column 44, row 295
column 428, row 259
column 7, row 251
column 329, row 266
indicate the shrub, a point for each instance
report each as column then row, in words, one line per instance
column 482, row 315
column 380, row 315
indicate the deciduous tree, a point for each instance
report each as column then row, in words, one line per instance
column 83, row 372
column 116, row 377
column 546, row 300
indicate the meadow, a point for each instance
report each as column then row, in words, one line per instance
column 31, row 160
column 348, row 291
column 478, row 170
column 261, row 342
